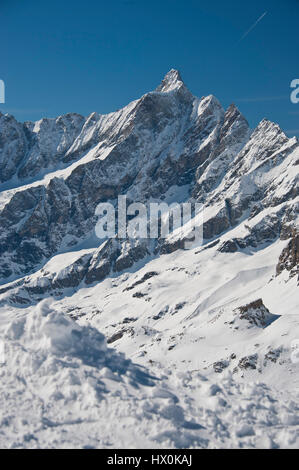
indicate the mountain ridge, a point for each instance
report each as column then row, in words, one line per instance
column 193, row 142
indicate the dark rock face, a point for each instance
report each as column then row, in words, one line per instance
column 272, row 355
column 220, row 366
column 13, row 146
column 289, row 258
column 230, row 246
column 216, row 225
column 256, row 314
column 248, row 362
column 116, row 336
column 145, row 278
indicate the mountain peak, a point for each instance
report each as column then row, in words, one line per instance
column 232, row 109
column 270, row 127
column 171, row 81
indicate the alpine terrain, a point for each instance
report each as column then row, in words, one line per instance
column 139, row 342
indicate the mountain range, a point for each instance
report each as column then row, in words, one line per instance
column 140, row 342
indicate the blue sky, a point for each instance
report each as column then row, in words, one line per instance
column 93, row 55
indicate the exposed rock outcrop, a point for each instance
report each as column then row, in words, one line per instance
column 289, row 258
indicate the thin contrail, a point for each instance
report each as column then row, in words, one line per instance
column 253, row 26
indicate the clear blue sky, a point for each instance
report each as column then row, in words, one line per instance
column 93, row 55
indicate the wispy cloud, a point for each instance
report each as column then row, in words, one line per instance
column 257, row 99
column 292, row 131
column 253, row 26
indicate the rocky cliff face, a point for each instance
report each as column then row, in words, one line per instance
column 289, row 258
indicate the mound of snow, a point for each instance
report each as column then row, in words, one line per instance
column 41, row 341
column 61, row 386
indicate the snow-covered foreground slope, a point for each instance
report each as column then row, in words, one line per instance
column 202, row 343
column 62, row 387
column 210, row 375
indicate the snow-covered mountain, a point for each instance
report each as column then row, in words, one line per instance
column 210, row 335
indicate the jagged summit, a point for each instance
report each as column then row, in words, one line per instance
column 233, row 109
column 272, row 130
column 171, row 81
